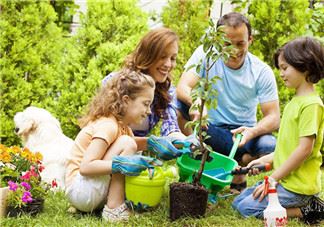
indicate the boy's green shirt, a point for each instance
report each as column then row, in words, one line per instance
column 302, row 116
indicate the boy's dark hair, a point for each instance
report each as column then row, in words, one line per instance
column 234, row 19
column 304, row 54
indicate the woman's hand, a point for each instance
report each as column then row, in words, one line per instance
column 164, row 148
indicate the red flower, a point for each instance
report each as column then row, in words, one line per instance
column 41, row 168
column 54, row 183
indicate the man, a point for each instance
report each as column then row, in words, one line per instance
column 245, row 82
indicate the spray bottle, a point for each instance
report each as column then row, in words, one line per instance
column 274, row 215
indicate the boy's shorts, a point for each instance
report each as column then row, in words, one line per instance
column 88, row 193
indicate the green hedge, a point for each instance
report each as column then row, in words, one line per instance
column 189, row 19
column 31, row 47
column 109, row 31
column 40, row 66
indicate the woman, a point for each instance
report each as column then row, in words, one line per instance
column 156, row 55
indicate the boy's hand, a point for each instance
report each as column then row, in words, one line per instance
column 259, row 192
column 252, row 170
column 133, row 165
column 262, row 190
column 257, row 163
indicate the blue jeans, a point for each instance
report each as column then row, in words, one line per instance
column 221, row 139
column 247, row 206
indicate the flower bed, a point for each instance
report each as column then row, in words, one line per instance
column 20, row 170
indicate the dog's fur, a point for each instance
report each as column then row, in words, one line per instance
column 41, row 132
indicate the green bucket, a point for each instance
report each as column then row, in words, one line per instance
column 188, row 167
column 145, row 191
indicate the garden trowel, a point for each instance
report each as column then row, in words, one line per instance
column 220, row 173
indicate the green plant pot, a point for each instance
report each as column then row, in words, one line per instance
column 33, row 208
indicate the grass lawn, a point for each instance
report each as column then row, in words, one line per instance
column 220, row 214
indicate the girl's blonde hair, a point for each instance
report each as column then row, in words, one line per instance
column 148, row 51
column 108, row 100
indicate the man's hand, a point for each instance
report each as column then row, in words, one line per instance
column 164, row 148
column 133, row 165
column 247, row 134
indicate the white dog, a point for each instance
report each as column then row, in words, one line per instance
column 41, row 132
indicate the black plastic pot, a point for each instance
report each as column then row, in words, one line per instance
column 33, row 208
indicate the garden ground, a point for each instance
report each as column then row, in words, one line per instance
column 220, row 214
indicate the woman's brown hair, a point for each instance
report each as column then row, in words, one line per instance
column 148, row 51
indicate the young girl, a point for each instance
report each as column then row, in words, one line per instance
column 99, row 154
column 297, row 157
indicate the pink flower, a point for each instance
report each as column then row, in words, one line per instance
column 32, row 171
column 29, row 174
column 25, row 185
column 26, row 176
column 26, row 197
column 12, row 186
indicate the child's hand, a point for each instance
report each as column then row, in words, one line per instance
column 262, row 190
column 254, row 171
column 133, row 165
column 259, row 192
column 257, row 162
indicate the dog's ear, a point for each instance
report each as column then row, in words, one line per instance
column 28, row 126
column 33, row 124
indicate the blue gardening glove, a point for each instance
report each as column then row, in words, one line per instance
column 163, row 147
column 133, row 165
column 190, row 144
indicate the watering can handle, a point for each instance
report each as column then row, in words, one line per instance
column 235, row 145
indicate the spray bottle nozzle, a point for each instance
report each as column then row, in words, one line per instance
column 269, row 185
column 266, row 184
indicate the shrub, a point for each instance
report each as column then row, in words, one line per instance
column 31, row 46
column 109, row 31
column 40, row 67
column 189, row 19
